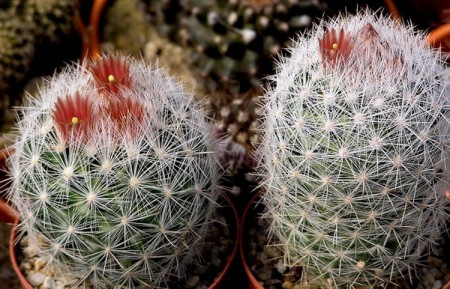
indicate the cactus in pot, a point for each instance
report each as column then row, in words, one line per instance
column 356, row 130
column 114, row 174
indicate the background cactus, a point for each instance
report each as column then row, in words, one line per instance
column 114, row 174
column 234, row 42
column 26, row 26
column 356, row 131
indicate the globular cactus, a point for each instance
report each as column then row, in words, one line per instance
column 114, row 174
column 234, row 42
column 356, row 130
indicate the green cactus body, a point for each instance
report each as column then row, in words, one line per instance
column 356, row 144
column 234, row 42
column 114, row 173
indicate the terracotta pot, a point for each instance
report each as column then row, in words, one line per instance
column 433, row 12
column 14, row 250
column 13, row 253
column 4, row 155
column 7, row 213
column 89, row 32
column 219, row 279
column 428, row 14
column 250, row 211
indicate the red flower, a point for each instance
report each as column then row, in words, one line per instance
column 111, row 73
column 335, row 46
column 73, row 116
column 127, row 115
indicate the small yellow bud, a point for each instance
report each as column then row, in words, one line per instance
column 111, row 78
column 334, row 46
column 75, row 120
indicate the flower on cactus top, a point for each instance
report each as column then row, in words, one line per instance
column 118, row 181
column 127, row 115
column 354, row 162
column 334, row 46
column 111, row 73
column 73, row 116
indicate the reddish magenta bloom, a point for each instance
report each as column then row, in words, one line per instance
column 111, row 73
column 73, row 116
column 368, row 33
column 334, row 46
column 127, row 115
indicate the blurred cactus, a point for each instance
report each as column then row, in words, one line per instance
column 24, row 27
column 115, row 172
column 356, row 132
column 16, row 48
column 52, row 18
column 131, row 33
column 234, row 42
column 237, row 116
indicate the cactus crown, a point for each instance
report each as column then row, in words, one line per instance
column 114, row 174
column 356, row 133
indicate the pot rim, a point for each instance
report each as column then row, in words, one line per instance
column 253, row 282
column 7, row 213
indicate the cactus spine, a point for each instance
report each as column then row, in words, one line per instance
column 356, row 133
column 114, row 174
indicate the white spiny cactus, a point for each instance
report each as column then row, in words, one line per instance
column 356, row 131
column 114, row 174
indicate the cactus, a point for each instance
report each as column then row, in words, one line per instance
column 356, row 130
column 16, row 49
column 114, row 173
column 238, row 116
column 234, row 42
column 53, row 19
column 25, row 27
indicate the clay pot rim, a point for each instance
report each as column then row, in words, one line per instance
column 253, row 282
column 216, row 283
column 7, row 213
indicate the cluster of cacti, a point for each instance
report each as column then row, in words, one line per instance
column 114, row 173
column 356, row 140
column 234, row 42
